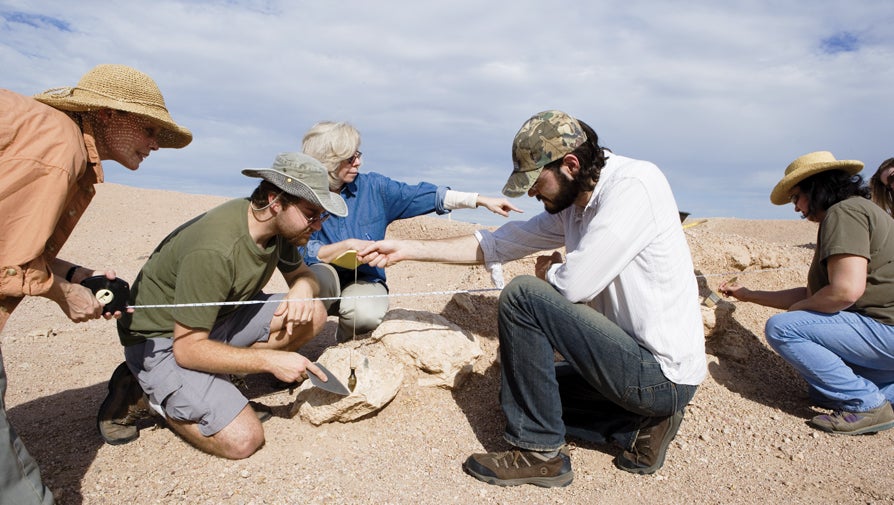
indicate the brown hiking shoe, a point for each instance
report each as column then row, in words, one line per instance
column 856, row 423
column 512, row 468
column 646, row 455
column 123, row 406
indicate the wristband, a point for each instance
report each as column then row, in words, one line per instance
column 71, row 272
column 460, row 200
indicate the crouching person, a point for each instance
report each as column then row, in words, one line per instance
column 621, row 307
column 180, row 354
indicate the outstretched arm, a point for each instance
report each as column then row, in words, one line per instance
column 462, row 200
column 782, row 299
column 461, row 250
column 847, row 282
column 499, row 206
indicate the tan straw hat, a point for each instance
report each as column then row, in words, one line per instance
column 807, row 165
column 123, row 88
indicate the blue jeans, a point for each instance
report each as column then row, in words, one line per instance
column 845, row 357
column 609, row 383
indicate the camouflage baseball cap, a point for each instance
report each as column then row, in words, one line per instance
column 544, row 138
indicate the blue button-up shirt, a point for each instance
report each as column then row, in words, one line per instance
column 374, row 201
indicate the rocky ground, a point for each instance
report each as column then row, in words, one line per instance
column 744, row 438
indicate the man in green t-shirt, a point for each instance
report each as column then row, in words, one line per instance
column 186, row 336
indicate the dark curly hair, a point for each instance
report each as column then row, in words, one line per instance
column 825, row 189
column 591, row 157
column 259, row 195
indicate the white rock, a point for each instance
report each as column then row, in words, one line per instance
column 440, row 349
column 378, row 381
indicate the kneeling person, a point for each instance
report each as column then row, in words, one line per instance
column 182, row 352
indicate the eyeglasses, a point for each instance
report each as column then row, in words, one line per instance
column 795, row 198
column 352, row 159
column 319, row 218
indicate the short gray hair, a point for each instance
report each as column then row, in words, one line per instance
column 331, row 143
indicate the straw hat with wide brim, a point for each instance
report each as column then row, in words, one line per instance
column 807, row 165
column 123, row 88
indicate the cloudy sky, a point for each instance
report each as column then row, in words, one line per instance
column 720, row 95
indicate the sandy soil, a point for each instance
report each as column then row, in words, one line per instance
column 744, row 438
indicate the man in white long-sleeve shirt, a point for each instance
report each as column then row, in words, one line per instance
column 621, row 307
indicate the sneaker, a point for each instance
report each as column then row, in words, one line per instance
column 124, row 405
column 646, row 455
column 512, row 468
column 856, row 423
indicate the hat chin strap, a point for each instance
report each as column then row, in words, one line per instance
column 271, row 202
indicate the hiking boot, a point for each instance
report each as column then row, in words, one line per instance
column 856, row 423
column 646, row 455
column 512, row 468
column 262, row 411
column 124, row 405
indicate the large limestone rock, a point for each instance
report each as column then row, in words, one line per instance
column 378, row 381
column 441, row 350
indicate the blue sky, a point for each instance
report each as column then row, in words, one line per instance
column 720, row 95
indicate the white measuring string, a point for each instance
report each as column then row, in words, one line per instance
column 251, row 302
column 417, row 294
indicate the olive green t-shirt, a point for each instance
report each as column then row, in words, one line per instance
column 859, row 227
column 211, row 258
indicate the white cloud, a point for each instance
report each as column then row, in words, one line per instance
column 721, row 95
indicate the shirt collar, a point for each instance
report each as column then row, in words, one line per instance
column 350, row 189
column 93, row 160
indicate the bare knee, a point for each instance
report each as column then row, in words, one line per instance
column 241, row 438
column 243, row 448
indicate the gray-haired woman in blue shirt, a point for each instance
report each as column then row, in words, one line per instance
column 374, row 201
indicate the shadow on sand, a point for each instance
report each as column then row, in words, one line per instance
column 748, row 367
column 60, row 432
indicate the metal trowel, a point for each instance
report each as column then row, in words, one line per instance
column 333, row 385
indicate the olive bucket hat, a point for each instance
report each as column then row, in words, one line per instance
column 119, row 87
column 303, row 176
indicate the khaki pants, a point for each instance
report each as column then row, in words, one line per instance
column 20, row 481
column 360, row 307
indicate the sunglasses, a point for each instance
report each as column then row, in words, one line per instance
column 320, row 218
column 311, row 220
column 352, row 159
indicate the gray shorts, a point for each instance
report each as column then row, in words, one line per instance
column 209, row 400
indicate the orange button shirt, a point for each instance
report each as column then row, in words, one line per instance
column 48, row 167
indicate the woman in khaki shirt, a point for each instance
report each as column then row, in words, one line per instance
column 838, row 330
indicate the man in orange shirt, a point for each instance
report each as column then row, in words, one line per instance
column 51, row 152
